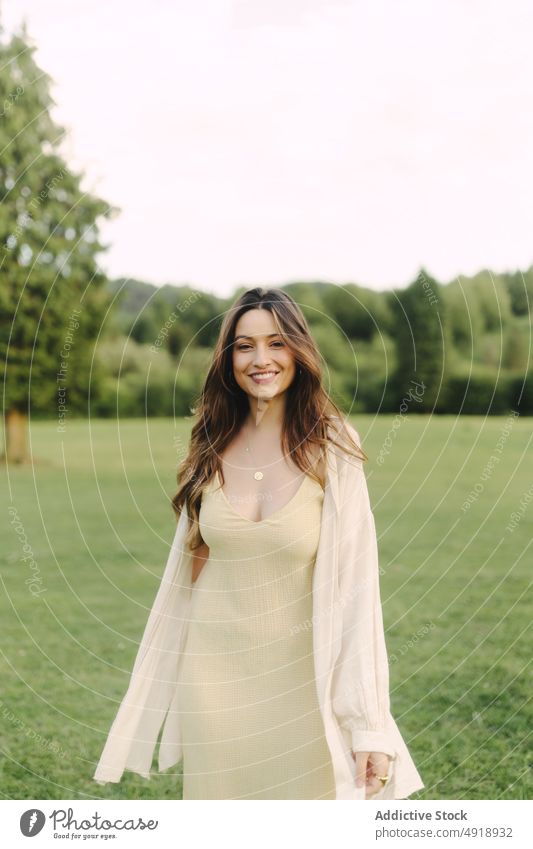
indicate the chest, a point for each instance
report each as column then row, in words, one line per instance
column 255, row 499
column 287, row 535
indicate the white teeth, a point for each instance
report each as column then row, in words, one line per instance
column 264, row 374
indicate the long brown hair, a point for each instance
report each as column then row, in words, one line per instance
column 223, row 406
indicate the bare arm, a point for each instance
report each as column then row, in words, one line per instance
column 200, row 555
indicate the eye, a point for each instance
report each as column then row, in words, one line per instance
column 244, row 346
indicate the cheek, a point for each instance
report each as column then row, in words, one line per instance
column 239, row 361
column 288, row 362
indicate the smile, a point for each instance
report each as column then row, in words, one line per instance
column 263, row 377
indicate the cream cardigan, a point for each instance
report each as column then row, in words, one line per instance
column 350, row 656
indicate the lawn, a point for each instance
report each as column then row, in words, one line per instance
column 453, row 503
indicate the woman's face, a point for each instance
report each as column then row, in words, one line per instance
column 258, row 348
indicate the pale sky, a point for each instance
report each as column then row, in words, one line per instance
column 263, row 141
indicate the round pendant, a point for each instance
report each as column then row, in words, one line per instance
column 258, row 476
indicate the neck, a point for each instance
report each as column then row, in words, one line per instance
column 266, row 415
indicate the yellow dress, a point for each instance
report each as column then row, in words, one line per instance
column 250, row 720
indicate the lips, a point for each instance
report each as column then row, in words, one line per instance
column 263, row 376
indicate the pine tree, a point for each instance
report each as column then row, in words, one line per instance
column 52, row 298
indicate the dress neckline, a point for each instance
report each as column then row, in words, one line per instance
column 267, row 518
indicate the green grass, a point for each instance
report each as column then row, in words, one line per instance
column 95, row 508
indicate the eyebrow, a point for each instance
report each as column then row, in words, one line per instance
column 253, row 337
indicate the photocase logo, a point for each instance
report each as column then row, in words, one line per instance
column 32, row 822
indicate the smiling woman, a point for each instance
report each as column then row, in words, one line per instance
column 257, row 706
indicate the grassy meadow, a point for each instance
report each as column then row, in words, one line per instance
column 95, row 509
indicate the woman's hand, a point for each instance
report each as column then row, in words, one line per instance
column 368, row 766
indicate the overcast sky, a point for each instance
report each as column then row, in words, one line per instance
column 263, row 141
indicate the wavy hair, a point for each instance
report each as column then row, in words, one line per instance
column 222, row 406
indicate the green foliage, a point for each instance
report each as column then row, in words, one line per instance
column 369, row 382
column 480, row 391
column 52, row 294
column 517, row 344
column 465, row 319
column 477, row 307
column 520, row 288
column 488, row 294
column 143, row 381
column 309, row 297
column 373, row 371
column 169, row 317
column 335, row 349
column 522, row 393
column 497, row 311
column 190, row 375
column 361, row 313
column 421, row 339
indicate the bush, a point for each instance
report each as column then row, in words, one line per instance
column 522, row 393
column 480, row 393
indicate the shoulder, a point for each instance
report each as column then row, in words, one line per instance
column 345, row 435
column 341, row 424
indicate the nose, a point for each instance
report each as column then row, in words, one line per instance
column 261, row 357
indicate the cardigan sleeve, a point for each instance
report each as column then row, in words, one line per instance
column 360, row 688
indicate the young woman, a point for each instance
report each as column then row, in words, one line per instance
column 264, row 655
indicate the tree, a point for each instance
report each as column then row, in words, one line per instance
column 361, row 313
column 520, row 288
column 421, row 339
column 52, row 297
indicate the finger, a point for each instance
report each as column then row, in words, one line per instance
column 380, row 765
column 373, row 786
column 361, row 766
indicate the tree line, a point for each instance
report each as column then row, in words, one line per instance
column 461, row 347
